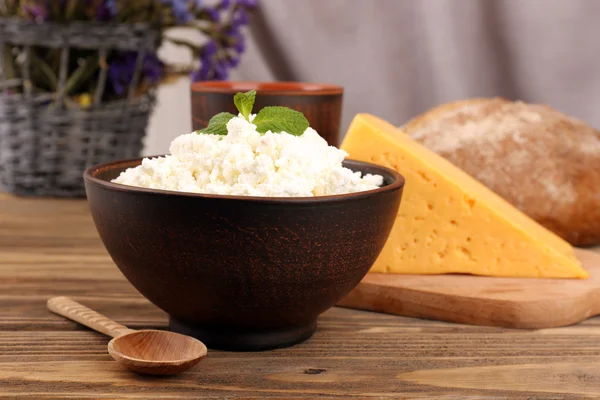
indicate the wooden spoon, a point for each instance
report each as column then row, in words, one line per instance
column 147, row 351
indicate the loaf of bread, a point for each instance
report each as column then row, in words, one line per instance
column 545, row 163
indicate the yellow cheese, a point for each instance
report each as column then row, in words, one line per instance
column 448, row 222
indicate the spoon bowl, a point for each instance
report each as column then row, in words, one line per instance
column 146, row 351
column 156, row 352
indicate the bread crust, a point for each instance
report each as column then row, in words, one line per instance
column 545, row 163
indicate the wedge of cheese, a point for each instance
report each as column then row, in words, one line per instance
column 448, row 222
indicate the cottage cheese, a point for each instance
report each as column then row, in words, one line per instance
column 245, row 162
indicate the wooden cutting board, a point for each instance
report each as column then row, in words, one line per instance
column 508, row 302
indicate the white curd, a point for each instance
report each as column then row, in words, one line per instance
column 246, row 162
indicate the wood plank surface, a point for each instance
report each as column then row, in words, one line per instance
column 479, row 300
column 50, row 247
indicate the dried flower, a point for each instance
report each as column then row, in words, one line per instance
column 213, row 13
column 209, row 50
column 85, row 100
column 247, row 3
column 122, row 68
column 222, row 24
column 106, row 10
column 225, row 50
column 240, row 19
column 111, row 5
column 181, row 10
column 35, row 10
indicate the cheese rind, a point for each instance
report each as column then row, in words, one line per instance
column 449, row 222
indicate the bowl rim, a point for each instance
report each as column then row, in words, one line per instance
column 286, row 88
column 89, row 176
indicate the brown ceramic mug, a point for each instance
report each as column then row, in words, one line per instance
column 320, row 103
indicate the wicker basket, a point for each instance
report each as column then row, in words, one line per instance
column 46, row 141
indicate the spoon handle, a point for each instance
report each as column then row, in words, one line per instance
column 73, row 310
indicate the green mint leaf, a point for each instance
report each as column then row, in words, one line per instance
column 244, row 102
column 280, row 119
column 218, row 124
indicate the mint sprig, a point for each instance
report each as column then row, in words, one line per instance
column 274, row 118
column 218, row 124
column 244, row 103
column 280, row 119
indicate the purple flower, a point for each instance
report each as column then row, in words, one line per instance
column 220, row 70
column 106, row 10
column 202, row 73
column 247, row 3
column 35, row 11
column 111, row 5
column 181, row 10
column 233, row 62
column 217, row 58
column 206, row 62
column 210, row 48
column 153, row 68
column 241, row 18
column 240, row 44
column 122, row 68
column 213, row 13
column 212, row 67
column 236, row 39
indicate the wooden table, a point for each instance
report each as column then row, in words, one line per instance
column 50, row 247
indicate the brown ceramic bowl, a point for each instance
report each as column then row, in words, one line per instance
column 320, row 103
column 236, row 272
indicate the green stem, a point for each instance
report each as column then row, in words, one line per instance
column 81, row 74
column 71, row 9
column 10, row 72
column 46, row 70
